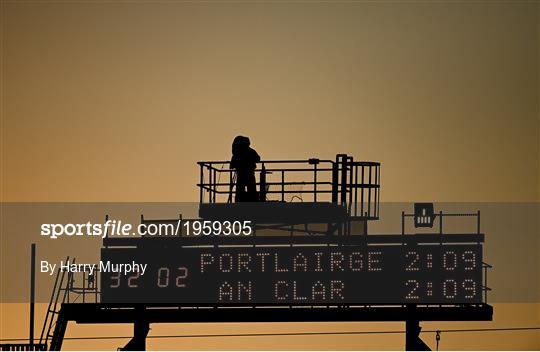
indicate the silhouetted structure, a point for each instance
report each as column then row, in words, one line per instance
column 413, row 342
column 340, row 197
column 244, row 160
column 141, row 327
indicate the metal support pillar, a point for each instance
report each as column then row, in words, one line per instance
column 412, row 337
column 141, row 327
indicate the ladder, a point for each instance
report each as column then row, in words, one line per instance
column 55, row 321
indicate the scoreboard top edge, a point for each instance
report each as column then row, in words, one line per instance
column 275, row 212
column 379, row 239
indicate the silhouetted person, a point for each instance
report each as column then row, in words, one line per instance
column 244, row 160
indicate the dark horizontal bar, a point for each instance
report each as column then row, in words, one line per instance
column 446, row 214
column 278, row 169
column 209, row 164
column 299, row 240
column 266, row 162
column 269, row 183
column 366, row 163
column 99, row 313
column 269, row 191
column 23, row 346
column 296, row 169
column 348, row 185
column 226, row 191
column 362, row 185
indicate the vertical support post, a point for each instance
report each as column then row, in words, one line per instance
column 412, row 336
column 141, row 327
column 350, row 164
column 315, row 183
column 282, row 185
column 32, row 292
column 140, row 331
column 362, row 193
column 262, row 187
column 366, row 227
column 210, row 184
column 84, row 287
column 216, row 186
column 485, row 282
column 201, row 179
column 335, row 182
column 378, row 189
column 230, row 186
column 343, row 179
column 107, row 231
column 356, row 190
column 369, row 193
column 478, row 222
column 412, row 331
column 403, row 223
column 96, row 280
column 440, row 222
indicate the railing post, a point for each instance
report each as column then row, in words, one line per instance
column 96, row 281
column 356, row 190
column 83, row 287
column 209, row 185
column 32, row 291
column 378, row 190
column 215, row 186
column 335, row 182
column 315, row 182
column 478, row 222
column 440, row 222
column 362, row 192
column 402, row 222
column 262, row 187
column 201, row 179
column 369, row 192
column 230, row 186
column 485, row 282
column 350, row 165
column 343, row 179
column 282, row 185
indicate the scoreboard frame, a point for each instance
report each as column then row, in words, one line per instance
column 157, row 249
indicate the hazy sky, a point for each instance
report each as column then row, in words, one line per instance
column 117, row 100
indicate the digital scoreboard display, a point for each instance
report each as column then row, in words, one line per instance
column 297, row 275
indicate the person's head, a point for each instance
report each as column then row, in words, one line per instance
column 240, row 142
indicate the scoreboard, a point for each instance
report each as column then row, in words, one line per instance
column 324, row 274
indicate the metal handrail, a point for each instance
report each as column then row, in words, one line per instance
column 353, row 184
column 440, row 216
column 485, row 287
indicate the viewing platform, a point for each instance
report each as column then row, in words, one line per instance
column 289, row 192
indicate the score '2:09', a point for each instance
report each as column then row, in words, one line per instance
column 451, row 289
column 225, row 228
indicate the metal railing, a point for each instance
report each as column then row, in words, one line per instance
column 439, row 216
column 354, row 184
column 23, row 347
column 83, row 287
column 485, row 287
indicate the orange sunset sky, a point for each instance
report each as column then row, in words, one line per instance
column 112, row 101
